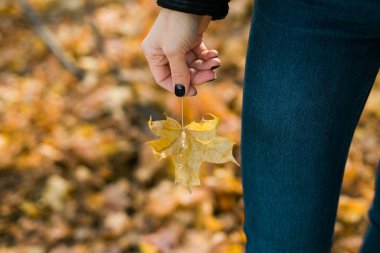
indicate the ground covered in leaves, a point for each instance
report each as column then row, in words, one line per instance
column 75, row 176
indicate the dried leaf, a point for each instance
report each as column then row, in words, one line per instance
column 190, row 146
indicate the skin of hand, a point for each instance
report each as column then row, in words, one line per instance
column 176, row 53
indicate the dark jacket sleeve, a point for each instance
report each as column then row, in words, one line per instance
column 218, row 9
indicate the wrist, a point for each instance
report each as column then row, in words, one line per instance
column 180, row 17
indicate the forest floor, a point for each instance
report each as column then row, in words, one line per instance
column 75, row 175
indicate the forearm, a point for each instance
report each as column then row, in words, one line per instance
column 217, row 9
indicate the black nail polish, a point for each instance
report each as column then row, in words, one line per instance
column 179, row 90
column 215, row 67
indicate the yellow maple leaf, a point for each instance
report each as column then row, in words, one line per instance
column 190, row 146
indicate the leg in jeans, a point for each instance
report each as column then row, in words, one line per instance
column 309, row 70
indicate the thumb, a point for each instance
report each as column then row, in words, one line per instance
column 180, row 73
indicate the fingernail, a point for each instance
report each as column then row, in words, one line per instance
column 179, row 90
column 215, row 67
column 211, row 80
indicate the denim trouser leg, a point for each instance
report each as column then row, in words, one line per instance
column 309, row 71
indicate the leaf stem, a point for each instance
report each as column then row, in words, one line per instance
column 182, row 110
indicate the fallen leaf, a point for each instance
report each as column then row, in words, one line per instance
column 190, row 146
column 352, row 210
column 56, row 192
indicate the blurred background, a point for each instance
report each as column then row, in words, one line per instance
column 76, row 94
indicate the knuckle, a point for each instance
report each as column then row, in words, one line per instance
column 177, row 75
column 144, row 46
column 158, row 59
column 160, row 81
column 172, row 51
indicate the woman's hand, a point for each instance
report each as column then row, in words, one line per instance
column 176, row 53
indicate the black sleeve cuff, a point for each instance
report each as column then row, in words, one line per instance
column 217, row 9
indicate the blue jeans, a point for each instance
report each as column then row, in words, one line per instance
column 309, row 70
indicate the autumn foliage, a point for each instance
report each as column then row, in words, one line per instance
column 75, row 175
